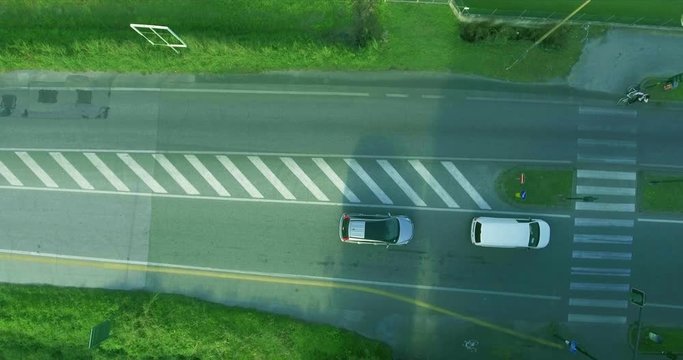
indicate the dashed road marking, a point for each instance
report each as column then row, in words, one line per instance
column 175, row 174
column 363, row 175
column 9, row 176
column 603, row 303
column 590, row 286
column 605, row 190
column 601, row 174
column 142, row 173
column 591, row 271
column 336, row 180
column 603, row 239
column 603, row 319
column 239, row 176
column 601, row 255
column 301, row 175
column 71, row 170
column 471, row 191
column 106, row 172
column 391, row 171
column 607, row 142
column 272, row 178
column 431, row 181
column 391, row 95
column 601, row 206
column 597, row 222
column 37, row 170
column 207, row 175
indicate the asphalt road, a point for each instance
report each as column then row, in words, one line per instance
column 290, row 230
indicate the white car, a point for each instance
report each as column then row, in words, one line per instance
column 375, row 229
column 510, row 233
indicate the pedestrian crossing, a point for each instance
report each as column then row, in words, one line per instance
column 403, row 182
column 604, row 220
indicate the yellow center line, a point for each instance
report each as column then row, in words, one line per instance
column 160, row 269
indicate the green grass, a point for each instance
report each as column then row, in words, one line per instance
column 236, row 37
column 665, row 195
column 44, row 322
column 672, row 340
column 544, row 186
column 651, row 12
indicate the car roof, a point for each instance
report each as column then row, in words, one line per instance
column 504, row 231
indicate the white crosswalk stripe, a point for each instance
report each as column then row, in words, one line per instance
column 597, row 222
column 601, row 255
column 71, row 170
column 207, row 175
column 603, row 239
column 37, row 170
column 604, row 319
column 394, row 175
column 607, row 142
column 336, row 180
column 141, row 173
column 604, row 303
column 9, row 176
column 106, row 172
column 602, row 206
column 431, row 181
column 301, row 175
column 270, row 176
column 586, row 286
column 363, row 175
column 602, row 174
column 175, row 174
column 605, row 190
column 239, row 176
column 471, row 191
column 591, row 271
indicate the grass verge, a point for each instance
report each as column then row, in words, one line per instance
column 660, row 192
column 93, row 35
column 544, row 186
column 45, row 322
column 653, row 12
column 671, row 340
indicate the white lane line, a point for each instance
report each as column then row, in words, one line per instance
column 244, row 153
column 284, row 275
column 623, row 128
column 589, row 286
column 600, row 206
column 391, row 171
column 175, row 174
column 602, row 319
column 605, row 190
column 239, row 176
column 661, row 221
column 37, row 170
column 106, row 172
column 431, row 181
column 142, row 173
column 396, row 95
column 71, row 170
column 621, row 160
column 590, row 110
column 601, row 255
column 305, row 179
column 372, row 185
column 9, row 176
column 611, row 175
column 607, row 142
column 591, row 271
column 596, row 222
column 207, row 175
column 603, row 239
column 427, row 96
column 616, row 304
column 376, row 207
column 471, row 191
column 336, row 180
column 270, row 176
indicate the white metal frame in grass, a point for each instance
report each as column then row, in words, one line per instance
column 152, row 29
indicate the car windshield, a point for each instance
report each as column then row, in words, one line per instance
column 385, row 230
column 534, row 234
